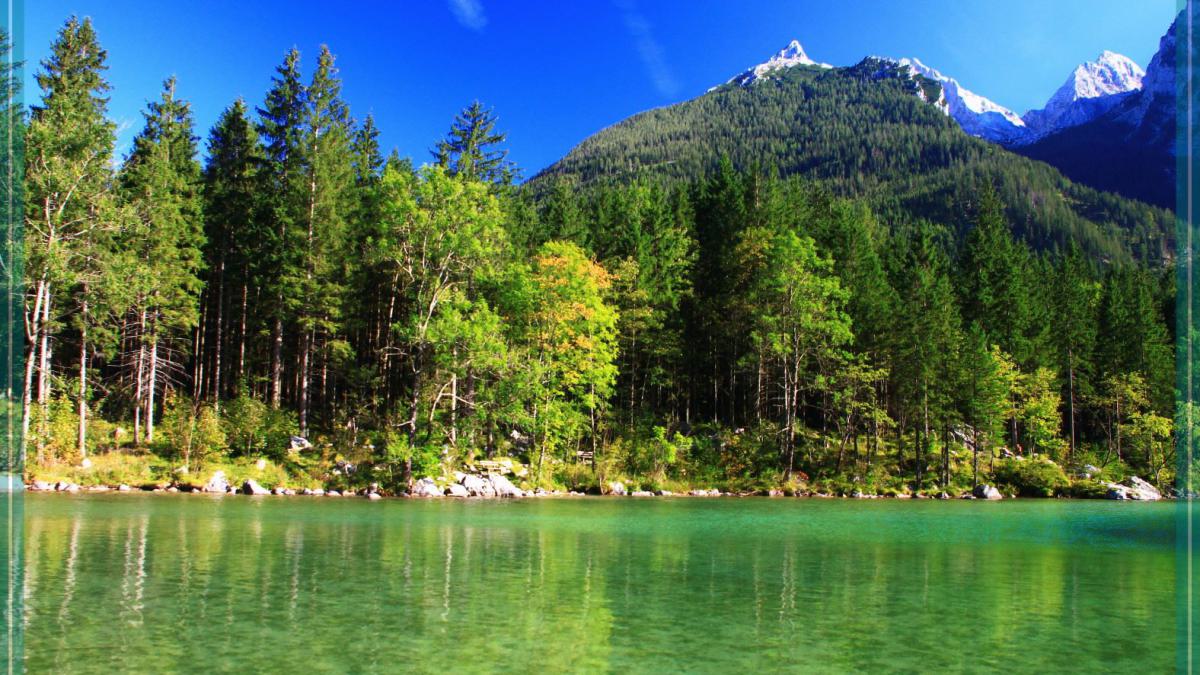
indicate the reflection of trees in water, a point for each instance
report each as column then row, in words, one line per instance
column 182, row 583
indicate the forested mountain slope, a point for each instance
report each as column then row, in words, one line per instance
column 871, row 131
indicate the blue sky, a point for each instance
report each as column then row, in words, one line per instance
column 558, row 71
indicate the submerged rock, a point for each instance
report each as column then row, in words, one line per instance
column 250, row 487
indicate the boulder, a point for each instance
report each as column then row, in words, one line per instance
column 250, row 487
column 41, row 485
column 943, row 495
column 374, row 495
column 218, row 483
column 299, row 443
column 665, row 493
column 1137, row 490
column 332, row 493
column 982, row 491
column 616, row 488
column 457, row 490
column 504, row 487
column 477, row 486
column 641, row 493
column 1143, row 491
column 425, row 487
column 123, row 488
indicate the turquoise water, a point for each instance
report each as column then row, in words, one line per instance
column 156, row 583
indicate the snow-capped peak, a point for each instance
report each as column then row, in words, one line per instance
column 977, row 115
column 791, row 55
column 1092, row 89
column 1110, row 73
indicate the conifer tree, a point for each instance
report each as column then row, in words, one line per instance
column 235, row 246
column 68, row 178
column 281, row 128
column 161, row 181
column 471, row 148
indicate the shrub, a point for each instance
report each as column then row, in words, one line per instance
column 1032, row 477
column 191, row 432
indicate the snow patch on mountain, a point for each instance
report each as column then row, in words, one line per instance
column 977, row 115
column 1092, row 89
column 790, row 56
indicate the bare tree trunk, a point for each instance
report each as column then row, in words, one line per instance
column 44, row 375
column 305, row 357
column 33, row 330
column 241, row 369
column 277, row 358
column 140, row 384
column 81, row 439
column 219, row 337
column 152, row 385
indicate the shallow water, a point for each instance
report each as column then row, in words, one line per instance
column 157, row 583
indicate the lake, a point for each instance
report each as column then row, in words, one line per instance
column 159, row 583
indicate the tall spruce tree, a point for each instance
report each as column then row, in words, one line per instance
column 234, row 251
column 68, row 178
column 161, row 181
column 471, row 148
column 281, row 128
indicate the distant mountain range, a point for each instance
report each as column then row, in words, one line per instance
column 1110, row 125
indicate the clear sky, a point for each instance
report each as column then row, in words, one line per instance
column 558, row 71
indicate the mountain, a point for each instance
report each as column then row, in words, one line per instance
column 1130, row 147
column 877, row 130
column 976, row 114
column 788, row 57
column 1092, row 89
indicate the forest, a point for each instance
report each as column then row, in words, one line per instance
column 286, row 294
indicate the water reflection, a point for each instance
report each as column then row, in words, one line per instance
column 165, row 583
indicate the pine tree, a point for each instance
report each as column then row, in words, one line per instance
column 235, row 247
column 161, row 181
column 281, row 128
column 69, row 147
column 330, row 178
column 471, row 149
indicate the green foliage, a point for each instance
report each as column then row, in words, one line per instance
column 864, row 136
column 193, row 432
column 1032, row 477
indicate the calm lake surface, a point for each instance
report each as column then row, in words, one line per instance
column 157, row 583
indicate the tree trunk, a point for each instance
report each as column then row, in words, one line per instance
column 152, row 386
column 277, row 358
column 219, row 337
column 305, row 357
column 81, row 440
column 241, row 369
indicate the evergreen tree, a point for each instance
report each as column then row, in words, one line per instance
column 281, row 128
column 471, row 149
column 68, row 177
column 161, row 181
column 235, row 248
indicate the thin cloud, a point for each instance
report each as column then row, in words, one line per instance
column 469, row 13
column 650, row 51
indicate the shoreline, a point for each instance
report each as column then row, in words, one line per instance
column 75, row 489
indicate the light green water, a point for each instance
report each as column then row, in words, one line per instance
column 171, row 583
